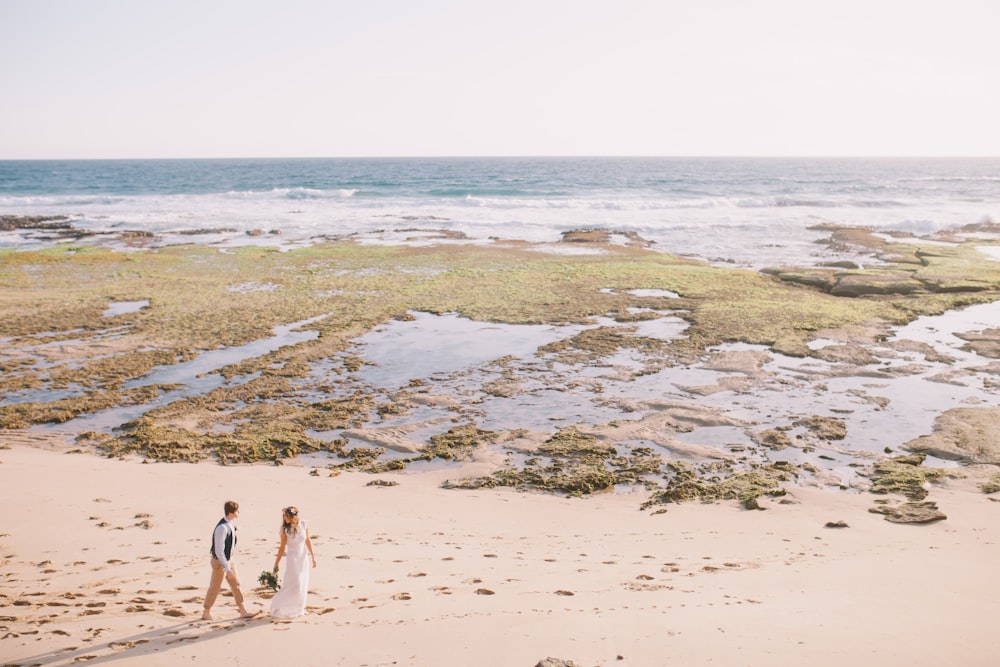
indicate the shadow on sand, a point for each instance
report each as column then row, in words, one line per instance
column 158, row 641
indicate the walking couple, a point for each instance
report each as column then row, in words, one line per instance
column 290, row 600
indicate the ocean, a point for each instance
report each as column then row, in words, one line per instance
column 744, row 211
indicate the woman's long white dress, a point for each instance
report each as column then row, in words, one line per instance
column 290, row 600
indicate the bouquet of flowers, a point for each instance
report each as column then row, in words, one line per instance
column 269, row 580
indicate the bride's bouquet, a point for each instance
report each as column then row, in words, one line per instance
column 269, row 580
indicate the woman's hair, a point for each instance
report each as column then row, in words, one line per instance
column 290, row 520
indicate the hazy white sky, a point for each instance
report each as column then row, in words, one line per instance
column 226, row 78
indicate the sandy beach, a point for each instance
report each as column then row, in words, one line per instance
column 105, row 561
column 504, row 455
column 638, row 334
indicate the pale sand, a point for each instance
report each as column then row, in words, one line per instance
column 404, row 572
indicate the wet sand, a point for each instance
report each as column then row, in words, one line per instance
column 105, row 561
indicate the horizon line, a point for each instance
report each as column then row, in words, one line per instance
column 520, row 157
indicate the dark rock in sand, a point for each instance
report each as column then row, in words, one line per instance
column 913, row 512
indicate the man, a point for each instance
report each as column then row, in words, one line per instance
column 223, row 545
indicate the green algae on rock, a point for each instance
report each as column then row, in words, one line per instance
column 992, row 485
column 577, row 466
column 687, row 482
column 906, row 475
column 273, row 404
column 146, row 438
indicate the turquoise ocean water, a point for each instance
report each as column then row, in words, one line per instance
column 745, row 211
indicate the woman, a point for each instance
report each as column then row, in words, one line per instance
column 290, row 600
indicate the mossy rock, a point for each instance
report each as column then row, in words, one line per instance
column 824, row 428
column 573, row 463
column 906, row 475
column 688, row 483
column 458, row 443
column 775, row 439
column 992, row 485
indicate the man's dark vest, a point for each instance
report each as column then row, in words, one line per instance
column 230, row 539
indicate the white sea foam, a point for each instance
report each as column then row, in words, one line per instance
column 748, row 212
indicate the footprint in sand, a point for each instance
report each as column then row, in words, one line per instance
column 181, row 639
column 484, row 591
column 402, row 596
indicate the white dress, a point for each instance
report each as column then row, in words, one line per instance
column 290, row 600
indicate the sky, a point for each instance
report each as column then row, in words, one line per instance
column 329, row 78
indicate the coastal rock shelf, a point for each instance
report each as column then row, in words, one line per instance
column 622, row 368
